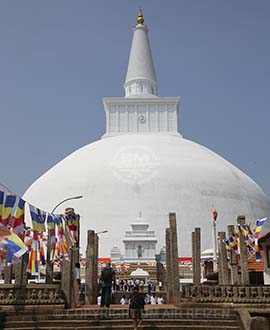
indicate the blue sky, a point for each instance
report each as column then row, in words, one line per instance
column 58, row 59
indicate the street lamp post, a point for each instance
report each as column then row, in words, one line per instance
column 102, row 232
column 49, row 266
column 65, row 200
column 214, row 232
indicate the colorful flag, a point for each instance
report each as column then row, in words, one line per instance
column 247, row 233
column 42, row 240
column 1, row 204
column 61, row 245
column 251, row 250
column 258, row 228
column 18, row 219
column 33, row 263
column 72, row 221
column 28, row 238
column 226, row 243
column 259, row 225
column 233, row 241
column 7, row 209
column 38, row 220
column 13, row 245
column 258, row 254
column 51, row 233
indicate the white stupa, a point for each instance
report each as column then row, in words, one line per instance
column 142, row 162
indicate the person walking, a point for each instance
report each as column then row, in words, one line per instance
column 136, row 306
column 107, row 278
column 76, row 284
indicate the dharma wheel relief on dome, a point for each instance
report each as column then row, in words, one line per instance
column 135, row 164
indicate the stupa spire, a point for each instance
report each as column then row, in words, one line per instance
column 140, row 19
column 141, row 78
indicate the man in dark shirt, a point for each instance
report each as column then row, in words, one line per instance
column 136, row 306
column 107, row 278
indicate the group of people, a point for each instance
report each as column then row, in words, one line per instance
column 136, row 299
column 107, row 280
column 149, row 299
column 127, row 285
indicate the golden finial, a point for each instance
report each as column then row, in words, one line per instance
column 140, row 19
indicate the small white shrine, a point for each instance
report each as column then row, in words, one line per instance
column 140, row 243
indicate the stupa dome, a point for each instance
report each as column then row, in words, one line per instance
column 143, row 163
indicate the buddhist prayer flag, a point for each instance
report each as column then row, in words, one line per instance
column 250, row 250
column 61, row 245
column 38, row 220
column 258, row 228
column 247, row 233
column 72, row 221
column 18, row 219
column 51, row 233
column 33, row 263
column 7, row 209
column 42, row 249
column 258, row 255
column 259, row 225
column 227, row 244
column 1, row 204
column 227, row 247
column 28, row 238
column 13, row 245
column 233, row 241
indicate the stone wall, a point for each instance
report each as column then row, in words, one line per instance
column 31, row 294
column 226, row 293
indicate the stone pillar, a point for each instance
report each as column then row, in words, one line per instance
column 8, row 274
column 233, row 261
column 196, row 256
column 174, row 257
column 169, row 288
column 66, row 281
column 161, row 274
column 223, row 274
column 243, row 253
column 20, row 270
column 95, row 267
column 90, row 271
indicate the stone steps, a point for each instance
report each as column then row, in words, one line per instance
column 121, row 313
column 154, row 326
column 83, row 323
column 156, row 317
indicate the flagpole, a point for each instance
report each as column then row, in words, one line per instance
column 214, row 236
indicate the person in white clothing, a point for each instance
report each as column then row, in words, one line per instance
column 123, row 300
column 153, row 300
column 160, row 301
